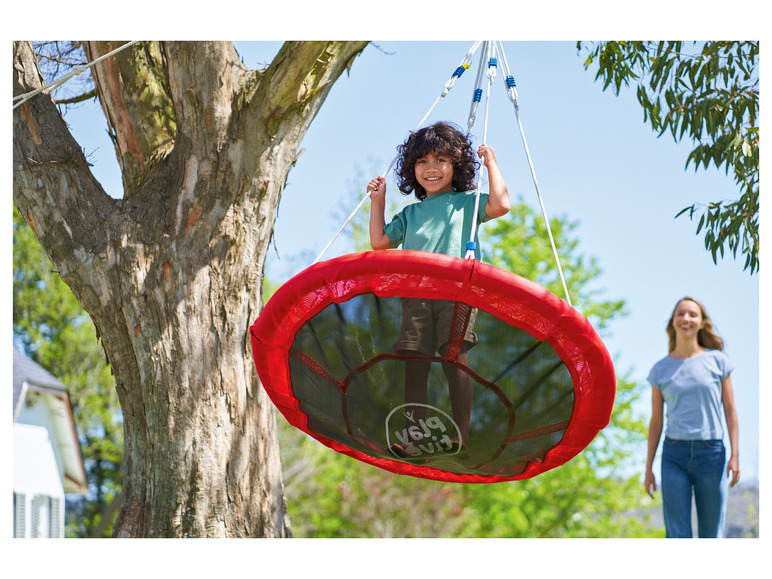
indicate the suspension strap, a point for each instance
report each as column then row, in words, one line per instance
column 512, row 94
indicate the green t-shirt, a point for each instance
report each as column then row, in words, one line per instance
column 441, row 223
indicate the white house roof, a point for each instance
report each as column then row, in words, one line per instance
column 29, row 372
column 28, row 376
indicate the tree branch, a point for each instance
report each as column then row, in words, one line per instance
column 202, row 77
column 135, row 98
column 77, row 99
column 300, row 75
column 53, row 186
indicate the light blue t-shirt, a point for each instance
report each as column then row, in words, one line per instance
column 691, row 389
column 441, row 223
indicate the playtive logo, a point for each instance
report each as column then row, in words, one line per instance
column 420, row 431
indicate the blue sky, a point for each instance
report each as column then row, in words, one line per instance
column 596, row 164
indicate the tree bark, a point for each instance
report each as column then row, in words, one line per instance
column 171, row 274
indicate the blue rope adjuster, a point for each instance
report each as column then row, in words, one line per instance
column 477, row 95
column 511, row 81
column 459, row 71
column 471, row 246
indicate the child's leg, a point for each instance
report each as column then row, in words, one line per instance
column 416, row 337
column 417, row 385
column 456, row 325
column 416, row 388
column 461, row 393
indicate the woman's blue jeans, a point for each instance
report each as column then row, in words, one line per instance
column 694, row 465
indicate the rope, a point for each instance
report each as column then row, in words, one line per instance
column 491, row 74
column 512, row 93
column 477, row 95
column 465, row 64
column 63, row 79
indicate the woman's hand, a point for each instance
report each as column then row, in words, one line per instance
column 650, row 483
column 733, row 466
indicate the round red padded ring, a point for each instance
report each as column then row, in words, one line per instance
column 405, row 273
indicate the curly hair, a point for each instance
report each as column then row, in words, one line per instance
column 707, row 336
column 442, row 139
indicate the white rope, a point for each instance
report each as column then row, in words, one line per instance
column 477, row 86
column 63, row 79
column 448, row 85
column 491, row 73
column 512, row 93
column 466, row 63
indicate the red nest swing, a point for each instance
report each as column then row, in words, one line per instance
column 544, row 383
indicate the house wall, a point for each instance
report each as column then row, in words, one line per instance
column 36, row 411
column 38, row 494
column 46, row 456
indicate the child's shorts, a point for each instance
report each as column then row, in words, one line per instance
column 426, row 325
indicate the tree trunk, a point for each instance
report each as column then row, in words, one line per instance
column 171, row 274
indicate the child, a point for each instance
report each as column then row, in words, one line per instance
column 437, row 164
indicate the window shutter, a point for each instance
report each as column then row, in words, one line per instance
column 35, row 517
column 41, row 519
column 19, row 515
column 56, row 518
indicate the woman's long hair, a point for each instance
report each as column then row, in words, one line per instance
column 445, row 140
column 706, row 337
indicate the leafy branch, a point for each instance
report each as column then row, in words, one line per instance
column 710, row 96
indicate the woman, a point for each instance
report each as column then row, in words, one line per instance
column 693, row 380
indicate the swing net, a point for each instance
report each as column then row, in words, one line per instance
column 541, row 379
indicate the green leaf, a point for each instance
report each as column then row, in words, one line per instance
column 702, row 220
column 684, row 210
